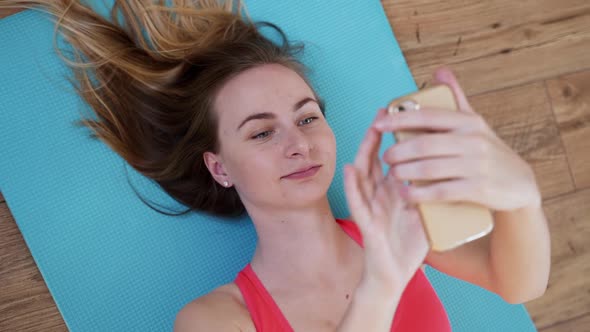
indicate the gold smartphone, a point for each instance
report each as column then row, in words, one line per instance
column 449, row 224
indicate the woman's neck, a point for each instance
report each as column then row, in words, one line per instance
column 303, row 246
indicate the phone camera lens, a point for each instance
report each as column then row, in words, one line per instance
column 409, row 105
column 404, row 106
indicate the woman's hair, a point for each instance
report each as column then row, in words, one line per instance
column 151, row 80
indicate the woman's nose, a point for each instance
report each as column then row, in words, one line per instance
column 297, row 143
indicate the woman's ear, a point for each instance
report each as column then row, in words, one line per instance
column 215, row 166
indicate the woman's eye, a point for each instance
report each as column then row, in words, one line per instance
column 265, row 134
column 261, row 135
column 312, row 118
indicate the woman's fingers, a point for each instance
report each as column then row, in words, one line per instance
column 357, row 202
column 367, row 148
column 460, row 190
column 428, row 146
column 377, row 167
column 377, row 171
column 432, row 118
column 365, row 158
column 440, row 169
column 367, row 163
column 393, row 186
column 388, row 198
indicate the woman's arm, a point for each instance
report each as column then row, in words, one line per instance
column 467, row 161
column 371, row 309
column 513, row 261
column 394, row 242
column 520, row 257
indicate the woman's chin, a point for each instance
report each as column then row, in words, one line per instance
column 307, row 194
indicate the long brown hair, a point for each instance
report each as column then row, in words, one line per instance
column 151, row 80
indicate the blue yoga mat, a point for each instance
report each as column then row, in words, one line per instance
column 112, row 263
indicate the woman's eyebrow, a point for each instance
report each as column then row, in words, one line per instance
column 268, row 115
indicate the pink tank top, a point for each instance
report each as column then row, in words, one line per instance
column 419, row 309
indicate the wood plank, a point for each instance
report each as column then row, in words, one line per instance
column 574, row 325
column 492, row 44
column 568, row 294
column 2, row 200
column 25, row 301
column 570, row 96
column 522, row 117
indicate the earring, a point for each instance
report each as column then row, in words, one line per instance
column 225, row 183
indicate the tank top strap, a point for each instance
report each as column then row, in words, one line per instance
column 351, row 229
column 264, row 311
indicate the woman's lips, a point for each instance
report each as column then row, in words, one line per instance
column 301, row 175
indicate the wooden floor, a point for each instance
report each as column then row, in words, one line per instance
column 525, row 65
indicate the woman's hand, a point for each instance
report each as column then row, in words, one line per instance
column 394, row 241
column 476, row 165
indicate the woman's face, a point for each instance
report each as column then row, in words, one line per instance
column 270, row 126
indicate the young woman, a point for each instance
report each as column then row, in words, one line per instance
column 227, row 123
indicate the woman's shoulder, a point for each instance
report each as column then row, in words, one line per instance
column 222, row 309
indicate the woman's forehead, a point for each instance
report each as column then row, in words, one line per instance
column 266, row 88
